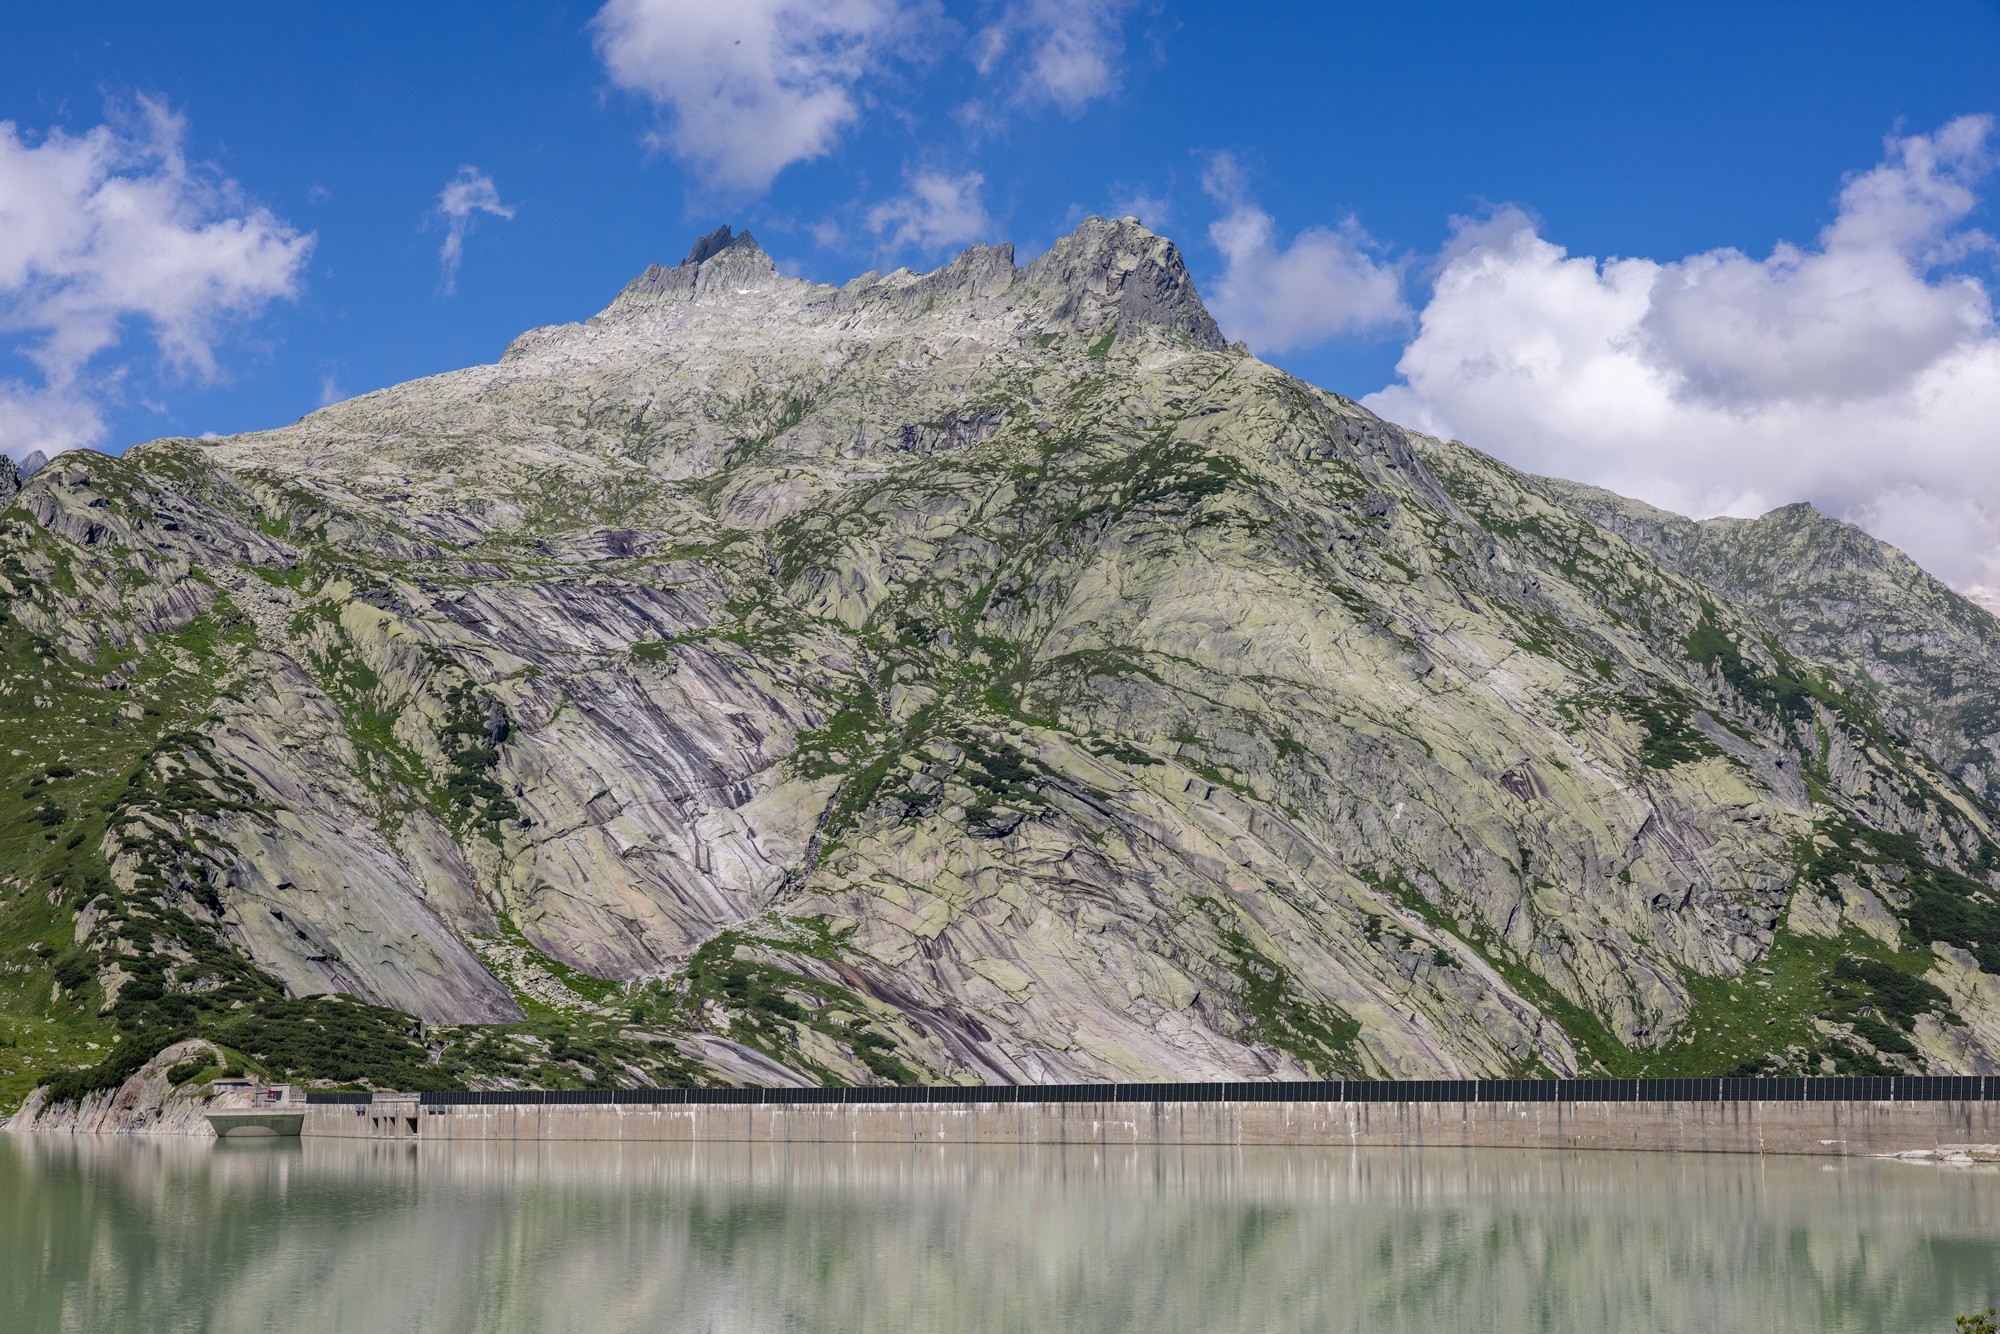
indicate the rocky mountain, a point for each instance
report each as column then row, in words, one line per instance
column 981, row 675
column 1830, row 592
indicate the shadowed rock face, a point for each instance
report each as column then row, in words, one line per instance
column 715, row 243
column 990, row 674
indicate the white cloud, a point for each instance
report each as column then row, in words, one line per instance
column 1327, row 282
column 1854, row 318
column 103, row 229
column 1156, row 211
column 463, row 198
column 33, row 417
column 752, row 86
column 938, row 211
column 1860, row 373
column 1062, row 52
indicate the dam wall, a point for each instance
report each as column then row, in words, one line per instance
column 1238, row 1115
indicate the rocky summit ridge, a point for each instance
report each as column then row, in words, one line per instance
column 1105, row 276
column 988, row 674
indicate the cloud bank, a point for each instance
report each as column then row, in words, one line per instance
column 464, row 196
column 1861, row 372
column 111, row 228
column 1325, row 283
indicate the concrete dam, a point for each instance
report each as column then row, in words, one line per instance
column 1839, row 1117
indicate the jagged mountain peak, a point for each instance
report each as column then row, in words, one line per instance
column 1118, row 271
column 15, row 474
column 717, row 241
column 722, row 260
column 1105, row 274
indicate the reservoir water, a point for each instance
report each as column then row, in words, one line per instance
column 109, row 1234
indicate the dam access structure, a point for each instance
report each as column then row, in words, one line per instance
column 1941, row 1116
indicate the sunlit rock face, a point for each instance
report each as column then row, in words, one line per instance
column 992, row 674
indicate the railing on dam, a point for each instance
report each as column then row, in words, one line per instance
column 1887, row 1088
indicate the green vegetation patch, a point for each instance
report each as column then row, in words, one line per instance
column 1667, row 720
column 1942, row 905
column 471, row 741
column 1785, row 692
column 1001, row 778
column 1760, row 1022
column 334, row 1039
column 1765, row 1021
column 124, row 1062
column 108, row 763
column 1282, row 1014
column 768, row 1006
column 593, row 989
column 194, row 1069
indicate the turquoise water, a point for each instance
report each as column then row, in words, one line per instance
column 108, row 1235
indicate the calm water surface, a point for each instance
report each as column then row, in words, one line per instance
column 106, row 1235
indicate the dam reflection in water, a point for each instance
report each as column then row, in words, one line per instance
column 110, row 1235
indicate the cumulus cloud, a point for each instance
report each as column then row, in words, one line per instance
column 1861, row 372
column 1064, row 53
column 937, row 212
column 110, row 228
column 1276, row 297
column 463, row 198
column 752, row 86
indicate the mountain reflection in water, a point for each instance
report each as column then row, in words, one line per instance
column 106, row 1235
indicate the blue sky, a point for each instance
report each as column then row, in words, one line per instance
column 1593, row 198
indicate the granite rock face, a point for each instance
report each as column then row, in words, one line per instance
column 999, row 677
column 148, row 1102
column 1829, row 591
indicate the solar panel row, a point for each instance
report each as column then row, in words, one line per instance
column 1898, row 1088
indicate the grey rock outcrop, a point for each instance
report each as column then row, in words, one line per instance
column 1119, row 275
column 146, row 1103
column 1114, row 276
column 720, row 261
